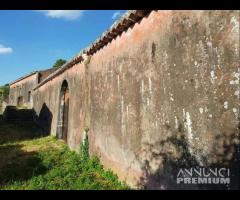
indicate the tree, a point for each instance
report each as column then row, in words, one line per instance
column 4, row 92
column 59, row 63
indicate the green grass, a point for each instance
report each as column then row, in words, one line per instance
column 28, row 161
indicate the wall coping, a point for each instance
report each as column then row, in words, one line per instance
column 127, row 20
column 23, row 77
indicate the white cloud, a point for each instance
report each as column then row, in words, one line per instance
column 65, row 14
column 5, row 50
column 116, row 15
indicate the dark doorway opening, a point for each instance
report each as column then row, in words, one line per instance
column 30, row 100
column 62, row 127
column 29, row 96
column 20, row 101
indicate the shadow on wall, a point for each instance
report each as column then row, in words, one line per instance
column 165, row 176
column 28, row 116
column 13, row 114
column 44, row 120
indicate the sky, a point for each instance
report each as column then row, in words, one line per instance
column 34, row 40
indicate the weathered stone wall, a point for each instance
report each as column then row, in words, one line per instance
column 21, row 89
column 3, row 105
column 163, row 94
column 45, row 73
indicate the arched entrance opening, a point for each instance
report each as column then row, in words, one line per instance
column 20, row 101
column 30, row 100
column 62, row 127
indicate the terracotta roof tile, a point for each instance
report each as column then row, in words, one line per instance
column 128, row 19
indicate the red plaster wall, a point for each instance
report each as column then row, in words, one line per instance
column 165, row 93
column 21, row 88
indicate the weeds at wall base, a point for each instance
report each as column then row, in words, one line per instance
column 45, row 163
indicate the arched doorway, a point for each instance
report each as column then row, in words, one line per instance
column 20, row 101
column 62, row 129
column 30, row 100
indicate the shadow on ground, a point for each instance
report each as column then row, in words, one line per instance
column 17, row 131
column 29, row 124
column 15, row 163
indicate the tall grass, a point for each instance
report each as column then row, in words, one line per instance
column 48, row 164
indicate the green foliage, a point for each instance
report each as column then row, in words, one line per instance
column 33, row 162
column 84, row 148
column 65, row 169
column 4, row 92
column 59, row 63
